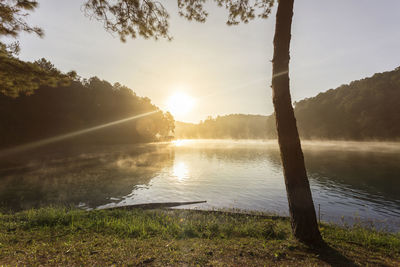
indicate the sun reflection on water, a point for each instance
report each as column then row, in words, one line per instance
column 180, row 171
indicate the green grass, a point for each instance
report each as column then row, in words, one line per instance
column 60, row 236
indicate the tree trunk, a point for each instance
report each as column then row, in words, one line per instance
column 301, row 206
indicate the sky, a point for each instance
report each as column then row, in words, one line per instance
column 224, row 69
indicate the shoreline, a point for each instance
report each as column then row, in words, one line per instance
column 60, row 236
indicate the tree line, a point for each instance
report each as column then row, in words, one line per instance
column 365, row 109
column 233, row 126
column 77, row 104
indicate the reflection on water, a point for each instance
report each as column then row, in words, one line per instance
column 180, row 171
column 356, row 180
column 96, row 177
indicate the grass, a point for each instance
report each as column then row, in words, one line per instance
column 60, row 236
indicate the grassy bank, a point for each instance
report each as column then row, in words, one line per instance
column 55, row 236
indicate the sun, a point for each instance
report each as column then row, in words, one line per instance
column 180, row 103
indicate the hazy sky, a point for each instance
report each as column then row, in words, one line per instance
column 226, row 69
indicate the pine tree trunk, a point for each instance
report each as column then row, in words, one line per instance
column 301, row 206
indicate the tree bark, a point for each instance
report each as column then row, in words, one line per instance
column 301, row 206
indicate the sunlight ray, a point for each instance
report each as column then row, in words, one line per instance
column 58, row 138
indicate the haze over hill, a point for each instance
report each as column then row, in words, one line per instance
column 362, row 110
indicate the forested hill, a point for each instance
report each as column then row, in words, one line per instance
column 60, row 108
column 362, row 110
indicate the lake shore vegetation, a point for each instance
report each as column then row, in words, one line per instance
column 62, row 236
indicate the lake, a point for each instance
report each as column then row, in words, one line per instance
column 350, row 181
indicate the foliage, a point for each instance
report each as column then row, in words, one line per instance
column 364, row 109
column 16, row 76
column 61, row 109
column 146, row 18
column 149, row 18
column 12, row 17
column 19, row 77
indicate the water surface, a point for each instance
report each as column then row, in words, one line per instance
column 349, row 180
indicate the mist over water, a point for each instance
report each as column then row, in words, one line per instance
column 353, row 180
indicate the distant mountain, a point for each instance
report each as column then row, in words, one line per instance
column 362, row 110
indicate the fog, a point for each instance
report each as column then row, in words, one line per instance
column 337, row 145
